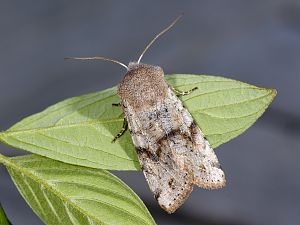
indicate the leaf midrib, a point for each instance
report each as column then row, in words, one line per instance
column 202, row 111
column 59, row 153
column 82, row 123
column 93, row 122
column 222, row 90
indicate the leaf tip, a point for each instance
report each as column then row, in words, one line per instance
column 273, row 92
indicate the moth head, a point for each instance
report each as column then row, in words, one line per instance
column 135, row 66
column 140, row 83
column 140, row 73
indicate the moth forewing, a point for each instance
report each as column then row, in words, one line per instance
column 172, row 150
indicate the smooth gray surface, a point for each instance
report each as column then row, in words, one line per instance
column 253, row 41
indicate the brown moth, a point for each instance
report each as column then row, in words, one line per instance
column 172, row 150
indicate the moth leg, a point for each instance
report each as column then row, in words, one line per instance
column 122, row 131
column 116, row 104
column 182, row 93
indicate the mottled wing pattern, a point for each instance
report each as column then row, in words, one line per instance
column 172, row 151
column 169, row 183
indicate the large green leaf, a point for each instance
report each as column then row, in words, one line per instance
column 61, row 193
column 3, row 218
column 79, row 130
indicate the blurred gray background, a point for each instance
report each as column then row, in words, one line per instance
column 254, row 41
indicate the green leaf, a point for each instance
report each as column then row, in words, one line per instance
column 3, row 218
column 61, row 193
column 79, row 130
column 223, row 108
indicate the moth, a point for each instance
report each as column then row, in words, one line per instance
column 173, row 152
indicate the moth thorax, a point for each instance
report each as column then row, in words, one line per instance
column 143, row 84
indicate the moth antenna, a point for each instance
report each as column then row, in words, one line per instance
column 98, row 58
column 158, row 35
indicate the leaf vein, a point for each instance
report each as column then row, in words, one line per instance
column 217, row 91
column 235, row 103
column 89, row 147
column 112, row 206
